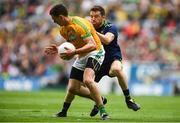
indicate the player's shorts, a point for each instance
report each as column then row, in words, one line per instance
column 76, row 74
column 104, row 70
column 92, row 60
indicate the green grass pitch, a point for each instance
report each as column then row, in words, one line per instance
column 40, row 106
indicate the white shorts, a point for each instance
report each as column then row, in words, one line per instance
column 80, row 63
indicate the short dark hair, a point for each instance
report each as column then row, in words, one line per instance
column 98, row 8
column 58, row 9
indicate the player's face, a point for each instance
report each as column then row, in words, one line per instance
column 96, row 18
column 60, row 20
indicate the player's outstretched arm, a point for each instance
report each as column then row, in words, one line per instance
column 51, row 50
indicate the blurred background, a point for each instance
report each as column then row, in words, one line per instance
column 149, row 37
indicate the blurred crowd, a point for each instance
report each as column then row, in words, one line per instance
column 149, row 31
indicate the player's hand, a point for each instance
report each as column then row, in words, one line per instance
column 51, row 50
column 68, row 54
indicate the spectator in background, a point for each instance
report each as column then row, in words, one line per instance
column 25, row 20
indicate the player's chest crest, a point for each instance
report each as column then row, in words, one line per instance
column 71, row 35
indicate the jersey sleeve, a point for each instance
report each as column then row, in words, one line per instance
column 82, row 28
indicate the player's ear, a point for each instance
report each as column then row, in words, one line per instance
column 61, row 17
column 104, row 17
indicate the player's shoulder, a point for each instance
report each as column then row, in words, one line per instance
column 81, row 23
column 78, row 20
column 110, row 25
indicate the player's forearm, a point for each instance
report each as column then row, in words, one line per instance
column 104, row 38
column 85, row 49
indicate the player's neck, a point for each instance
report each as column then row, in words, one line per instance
column 68, row 21
column 103, row 22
